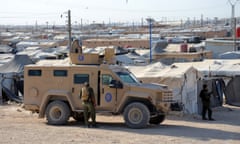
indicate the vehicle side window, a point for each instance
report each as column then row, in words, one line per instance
column 106, row 79
column 34, row 73
column 80, row 78
column 60, row 73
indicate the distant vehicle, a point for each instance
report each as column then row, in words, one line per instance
column 53, row 91
column 175, row 40
column 195, row 39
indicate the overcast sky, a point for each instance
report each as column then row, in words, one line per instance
column 28, row 12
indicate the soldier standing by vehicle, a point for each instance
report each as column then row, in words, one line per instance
column 206, row 104
column 88, row 101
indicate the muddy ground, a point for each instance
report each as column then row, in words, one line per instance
column 18, row 126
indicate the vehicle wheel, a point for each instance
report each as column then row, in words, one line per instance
column 57, row 113
column 136, row 115
column 157, row 119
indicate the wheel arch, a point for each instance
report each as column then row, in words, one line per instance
column 130, row 100
column 49, row 97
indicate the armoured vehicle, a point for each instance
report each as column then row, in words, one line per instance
column 53, row 91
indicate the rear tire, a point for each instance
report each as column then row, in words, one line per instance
column 136, row 115
column 57, row 113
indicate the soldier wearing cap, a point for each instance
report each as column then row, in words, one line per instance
column 88, row 101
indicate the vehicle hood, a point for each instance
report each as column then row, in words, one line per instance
column 148, row 86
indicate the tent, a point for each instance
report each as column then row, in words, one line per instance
column 230, row 55
column 181, row 79
column 10, row 76
column 132, row 58
column 5, row 49
column 16, row 65
column 229, row 71
column 226, row 72
column 232, row 91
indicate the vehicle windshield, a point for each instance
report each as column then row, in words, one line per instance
column 127, row 77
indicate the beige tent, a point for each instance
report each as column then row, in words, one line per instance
column 181, row 79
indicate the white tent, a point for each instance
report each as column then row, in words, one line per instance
column 219, row 69
column 229, row 71
column 181, row 79
column 215, row 67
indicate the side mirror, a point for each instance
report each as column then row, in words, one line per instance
column 115, row 84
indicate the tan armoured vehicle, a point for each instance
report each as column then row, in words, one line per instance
column 53, row 91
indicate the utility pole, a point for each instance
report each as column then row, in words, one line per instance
column 234, row 31
column 181, row 24
column 69, row 29
column 233, row 22
column 233, row 3
column 150, row 22
column 81, row 23
column 36, row 26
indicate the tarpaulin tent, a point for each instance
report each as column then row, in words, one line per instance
column 8, row 72
column 218, row 70
column 181, row 79
column 16, row 65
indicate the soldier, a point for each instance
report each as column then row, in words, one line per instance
column 206, row 104
column 88, row 101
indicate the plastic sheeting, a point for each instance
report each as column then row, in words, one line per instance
column 16, row 65
column 5, row 49
column 232, row 91
column 230, row 55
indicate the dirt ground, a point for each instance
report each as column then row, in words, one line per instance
column 18, row 126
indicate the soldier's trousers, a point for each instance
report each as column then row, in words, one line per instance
column 89, row 108
column 206, row 108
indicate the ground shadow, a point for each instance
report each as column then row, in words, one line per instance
column 204, row 134
column 222, row 115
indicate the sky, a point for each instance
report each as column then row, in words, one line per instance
column 41, row 12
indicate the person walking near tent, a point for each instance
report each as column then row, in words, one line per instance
column 88, row 101
column 206, row 103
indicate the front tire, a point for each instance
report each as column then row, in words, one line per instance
column 136, row 115
column 57, row 113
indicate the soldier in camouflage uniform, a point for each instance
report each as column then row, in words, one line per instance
column 88, row 101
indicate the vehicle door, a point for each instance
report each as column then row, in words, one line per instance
column 78, row 77
column 108, row 95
